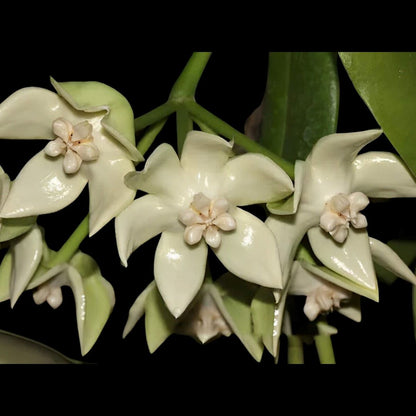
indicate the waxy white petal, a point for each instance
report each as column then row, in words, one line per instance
column 29, row 113
column 62, row 128
column 289, row 231
column 107, row 192
column 336, row 152
column 352, row 259
column 26, row 254
column 225, row 222
column 203, row 157
column 386, row 257
column 42, row 187
column 142, row 220
column 162, row 174
column 382, row 175
column 87, row 151
column 193, row 233
column 254, row 178
column 213, row 237
column 250, row 251
column 179, row 270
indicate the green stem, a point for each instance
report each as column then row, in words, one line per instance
column 154, row 116
column 71, row 245
column 225, row 130
column 184, row 124
column 149, row 136
column 185, row 85
column 295, row 350
column 323, row 345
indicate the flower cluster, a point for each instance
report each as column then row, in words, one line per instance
column 194, row 203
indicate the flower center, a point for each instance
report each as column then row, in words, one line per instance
column 204, row 218
column 325, row 299
column 340, row 211
column 75, row 142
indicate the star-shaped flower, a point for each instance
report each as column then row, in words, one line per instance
column 332, row 186
column 194, row 202
column 90, row 128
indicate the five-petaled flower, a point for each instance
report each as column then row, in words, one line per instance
column 90, row 128
column 199, row 196
column 332, row 186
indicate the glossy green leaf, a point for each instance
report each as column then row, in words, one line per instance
column 386, row 81
column 300, row 104
column 15, row 349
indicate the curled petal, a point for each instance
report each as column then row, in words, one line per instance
column 204, row 155
column 179, row 270
column 131, row 233
column 254, row 178
column 250, row 251
column 382, row 175
column 55, row 147
column 161, row 175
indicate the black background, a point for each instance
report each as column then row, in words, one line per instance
column 231, row 87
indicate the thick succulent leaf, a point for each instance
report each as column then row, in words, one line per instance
column 15, row 349
column 386, row 81
column 300, row 104
column 95, row 96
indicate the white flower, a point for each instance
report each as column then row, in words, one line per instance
column 331, row 188
column 93, row 294
column 220, row 308
column 193, row 202
column 90, row 128
column 322, row 296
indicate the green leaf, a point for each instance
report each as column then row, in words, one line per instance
column 386, row 81
column 15, row 349
column 300, row 103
